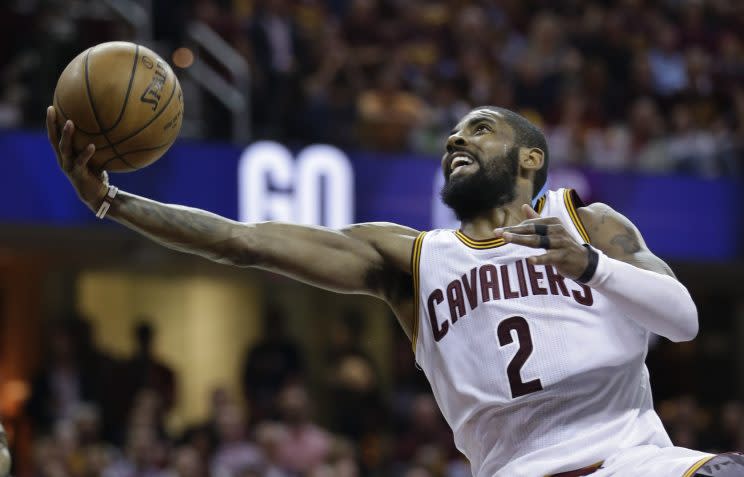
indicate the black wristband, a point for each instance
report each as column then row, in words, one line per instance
column 591, row 267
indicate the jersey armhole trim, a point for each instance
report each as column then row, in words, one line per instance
column 415, row 266
column 691, row 471
column 570, row 197
column 540, row 204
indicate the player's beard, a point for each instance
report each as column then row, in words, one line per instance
column 491, row 186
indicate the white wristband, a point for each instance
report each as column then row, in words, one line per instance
column 656, row 302
column 106, row 204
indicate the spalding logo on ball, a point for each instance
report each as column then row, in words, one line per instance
column 123, row 98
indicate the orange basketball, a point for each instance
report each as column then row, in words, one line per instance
column 123, row 98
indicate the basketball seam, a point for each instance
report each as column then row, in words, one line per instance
column 145, row 149
column 95, row 112
column 66, row 117
column 129, row 90
column 157, row 115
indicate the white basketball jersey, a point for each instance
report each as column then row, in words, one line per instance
column 536, row 374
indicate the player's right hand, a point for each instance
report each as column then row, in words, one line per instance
column 90, row 186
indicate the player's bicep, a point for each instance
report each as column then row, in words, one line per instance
column 347, row 261
column 619, row 238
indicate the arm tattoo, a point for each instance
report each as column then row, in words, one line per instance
column 627, row 241
column 616, row 236
column 181, row 228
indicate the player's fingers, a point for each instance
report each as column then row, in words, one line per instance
column 65, row 145
column 82, row 159
column 536, row 241
column 531, row 240
column 551, row 257
column 515, row 229
column 52, row 133
column 538, row 220
column 537, row 227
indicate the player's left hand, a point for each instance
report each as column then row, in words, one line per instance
column 562, row 251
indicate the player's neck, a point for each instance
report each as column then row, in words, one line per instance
column 481, row 226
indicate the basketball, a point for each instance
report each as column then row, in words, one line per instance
column 125, row 100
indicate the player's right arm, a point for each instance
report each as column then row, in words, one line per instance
column 371, row 259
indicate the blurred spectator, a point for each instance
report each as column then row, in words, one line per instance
column 145, row 372
column 731, row 426
column 648, row 147
column 235, row 454
column 566, row 140
column 277, row 52
column 303, row 445
column 353, row 381
column 202, row 437
column 144, row 455
column 270, row 436
column 329, row 89
column 445, row 110
column 387, row 113
column 691, row 149
column 667, row 62
column 66, row 379
column 186, row 462
column 425, row 429
column 272, row 363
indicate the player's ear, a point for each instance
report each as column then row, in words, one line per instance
column 531, row 158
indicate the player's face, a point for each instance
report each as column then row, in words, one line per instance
column 480, row 164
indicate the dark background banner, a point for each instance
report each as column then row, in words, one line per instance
column 681, row 217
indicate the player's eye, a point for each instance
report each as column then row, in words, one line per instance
column 481, row 128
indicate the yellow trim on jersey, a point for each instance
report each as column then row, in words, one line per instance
column 540, row 204
column 691, row 471
column 593, row 468
column 574, row 215
column 415, row 267
column 479, row 244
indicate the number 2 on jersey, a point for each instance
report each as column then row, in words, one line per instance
column 513, row 369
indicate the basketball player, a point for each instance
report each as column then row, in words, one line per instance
column 531, row 325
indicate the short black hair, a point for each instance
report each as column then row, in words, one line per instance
column 526, row 135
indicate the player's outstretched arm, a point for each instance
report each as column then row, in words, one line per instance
column 624, row 270
column 370, row 258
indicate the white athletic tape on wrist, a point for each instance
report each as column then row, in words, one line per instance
column 106, row 204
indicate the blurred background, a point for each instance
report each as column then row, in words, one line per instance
column 119, row 358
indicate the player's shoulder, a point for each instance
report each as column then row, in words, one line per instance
column 595, row 210
column 568, row 197
column 380, row 229
column 601, row 214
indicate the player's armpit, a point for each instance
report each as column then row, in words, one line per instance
column 618, row 238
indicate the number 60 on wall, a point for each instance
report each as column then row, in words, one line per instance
column 315, row 189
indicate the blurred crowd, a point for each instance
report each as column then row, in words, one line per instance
column 94, row 415
column 654, row 86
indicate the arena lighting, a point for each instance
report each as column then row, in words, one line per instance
column 183, row 57
column 316, row 188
